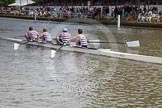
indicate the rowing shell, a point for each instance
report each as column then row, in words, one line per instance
column 101, row 52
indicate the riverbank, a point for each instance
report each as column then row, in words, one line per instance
column 105, row 22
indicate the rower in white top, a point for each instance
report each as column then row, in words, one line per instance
column 64, row 37
column 32, row 35
column 46, row 37
column 80, row 39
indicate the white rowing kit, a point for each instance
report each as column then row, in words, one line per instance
column 101, row 52
column 47, row 36
column 33, row 34
column 83, row 40
column 65, row 37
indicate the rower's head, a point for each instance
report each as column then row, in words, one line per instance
column 44, row 30
column 80, row 31
column 30, row 28
column 65, row 30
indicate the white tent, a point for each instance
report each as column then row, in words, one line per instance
column 21, row 3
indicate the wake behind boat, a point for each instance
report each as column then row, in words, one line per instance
column 101, row 52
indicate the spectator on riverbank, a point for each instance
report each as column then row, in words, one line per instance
column 128, row 12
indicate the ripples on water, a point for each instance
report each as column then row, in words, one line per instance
column 30, row 79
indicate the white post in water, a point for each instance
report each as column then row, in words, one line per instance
column 118, row 22
column 53, row 53
column 101, row 11
column 88, row 4
column 35, row 16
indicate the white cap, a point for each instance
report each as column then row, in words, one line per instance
column 65, row 30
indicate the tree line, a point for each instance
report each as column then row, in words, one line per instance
column 6, row 2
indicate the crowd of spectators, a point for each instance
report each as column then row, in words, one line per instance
column 140, row 14
column 96, row 2
column 63, row 12
column 127, row 12
column 149, row 15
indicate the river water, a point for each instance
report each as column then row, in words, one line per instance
column 30, row 79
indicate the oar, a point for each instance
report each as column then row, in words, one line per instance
column 16, row 46
column 19, row 41
column 133, row 44
column 129, row 44
column 53, row 52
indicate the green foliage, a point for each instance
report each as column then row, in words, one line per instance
column 6, row 2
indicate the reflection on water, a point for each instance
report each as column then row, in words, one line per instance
column 30, row 79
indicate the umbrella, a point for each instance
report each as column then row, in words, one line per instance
column 21, row 3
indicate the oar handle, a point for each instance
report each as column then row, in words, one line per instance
column 63, row 44
column 59, row 48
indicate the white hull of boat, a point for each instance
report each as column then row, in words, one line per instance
column 101, row 52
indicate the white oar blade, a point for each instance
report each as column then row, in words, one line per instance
column 53, row 53
column 16, row 46
column 133, row 44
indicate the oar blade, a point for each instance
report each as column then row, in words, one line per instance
column 133, row 44
column 53, row 52
column 16, row 46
